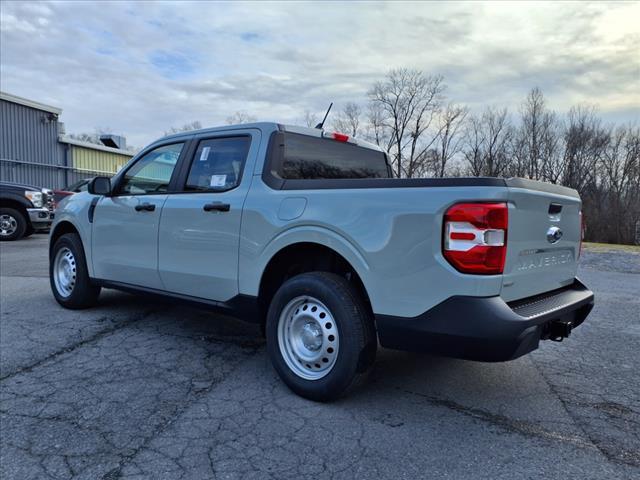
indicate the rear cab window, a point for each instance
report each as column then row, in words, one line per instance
column 302, row 157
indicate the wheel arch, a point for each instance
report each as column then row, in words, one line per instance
column 8, row 202
column 61, row 228
column 307, row 256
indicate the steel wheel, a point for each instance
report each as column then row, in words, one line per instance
column 8, row 225
column 308, row 338
column 64, row 272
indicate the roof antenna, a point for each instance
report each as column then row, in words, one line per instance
column 321, row 124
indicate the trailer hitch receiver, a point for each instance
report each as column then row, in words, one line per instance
column 558, row 330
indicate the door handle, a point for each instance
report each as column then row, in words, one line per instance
column 147, row 207
column 219, row 206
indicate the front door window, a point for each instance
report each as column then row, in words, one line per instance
column 152, row 172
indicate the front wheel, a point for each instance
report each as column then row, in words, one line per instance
column 68, row 275
column 320, row 335
column 13, row 224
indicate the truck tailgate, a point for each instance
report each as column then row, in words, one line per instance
column 543, row 239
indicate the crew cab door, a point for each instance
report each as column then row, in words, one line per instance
column 125, row 224
column 200, row 225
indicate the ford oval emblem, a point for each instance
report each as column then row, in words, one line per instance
column 554, row 234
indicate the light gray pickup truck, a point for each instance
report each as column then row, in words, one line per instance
column 305, row 232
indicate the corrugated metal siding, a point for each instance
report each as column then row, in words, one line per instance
column 28, row 134
column 74, row 176
column 87, row 159
column 31, row 153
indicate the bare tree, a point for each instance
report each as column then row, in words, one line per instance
column 536, row 142
column 532, row 113
column 240, row 117
column 376, row 130
column 348, row 120
column 488, row 143
column 551, row 150
column 584, row 143
column 620, row 183
column 405, row 116
column 408, row 101
column 195, row 125
column 474, row 146
column 499, row 133
column 310, row 119
column 92, row 137
column 449, row 139
column 85, row 137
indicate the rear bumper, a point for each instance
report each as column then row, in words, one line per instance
column 487, row 328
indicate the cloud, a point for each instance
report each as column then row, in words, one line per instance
column 172, row 65
column 142, row 67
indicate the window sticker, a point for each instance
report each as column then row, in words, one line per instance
column 205, row 154
column 218, row 180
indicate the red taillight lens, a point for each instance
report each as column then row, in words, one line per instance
column 475, row 237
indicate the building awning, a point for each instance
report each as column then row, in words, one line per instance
column 93, row 146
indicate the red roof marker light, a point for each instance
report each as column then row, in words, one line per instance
column 340, row 137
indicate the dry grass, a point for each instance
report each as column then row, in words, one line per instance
column 608, row 247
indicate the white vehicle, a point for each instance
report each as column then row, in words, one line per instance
column 304, row 232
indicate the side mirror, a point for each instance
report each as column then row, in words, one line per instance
column 99, row 186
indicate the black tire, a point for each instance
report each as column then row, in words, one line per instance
column 354, row 322
column 15, row 223
column 84, row 293
column 30, row 231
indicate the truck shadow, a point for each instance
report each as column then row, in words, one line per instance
column 502, row 388
column 443, row 377
column 198, row 324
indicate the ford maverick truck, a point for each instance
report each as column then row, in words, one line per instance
column 305, row 232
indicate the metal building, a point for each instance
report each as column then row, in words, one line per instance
column 85, row 156
column 35, row 151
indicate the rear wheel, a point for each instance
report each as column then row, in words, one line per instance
column 320, row 335
column 13, row 224
column 69, row 278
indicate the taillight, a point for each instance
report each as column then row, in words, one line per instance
column 475, row 237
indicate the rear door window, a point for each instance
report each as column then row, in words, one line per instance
column 306, row 157
column 218, row 164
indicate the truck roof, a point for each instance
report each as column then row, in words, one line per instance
column 272, row 126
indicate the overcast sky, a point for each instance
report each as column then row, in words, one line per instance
column 140, row 68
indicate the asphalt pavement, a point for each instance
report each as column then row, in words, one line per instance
column 139, row 388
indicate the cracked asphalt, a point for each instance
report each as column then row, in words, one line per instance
column 138, row 388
